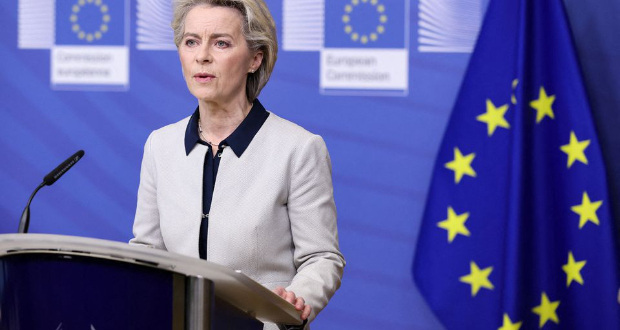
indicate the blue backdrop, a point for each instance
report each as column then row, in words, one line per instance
column 383, row 145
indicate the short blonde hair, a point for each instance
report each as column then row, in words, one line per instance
column 258, row 28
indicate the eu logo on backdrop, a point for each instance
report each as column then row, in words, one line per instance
column 365, row 50
column 365, row 24
column 88, row 39
column 364, row 44
column 90, row 50
column 94, row 22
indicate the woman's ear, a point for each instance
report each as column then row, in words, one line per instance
column 257, row 59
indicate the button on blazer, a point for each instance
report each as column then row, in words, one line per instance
column 272, row 215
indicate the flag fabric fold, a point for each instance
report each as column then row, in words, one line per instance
column 517, row 232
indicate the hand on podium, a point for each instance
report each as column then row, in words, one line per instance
column 298, row 302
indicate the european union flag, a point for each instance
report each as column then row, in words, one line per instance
column 365, row 23
column 90, row 22
column 517, row 231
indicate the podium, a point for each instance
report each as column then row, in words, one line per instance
column 65, row 282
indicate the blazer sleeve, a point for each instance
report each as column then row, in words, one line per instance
column 312, row 214
column 146, row 229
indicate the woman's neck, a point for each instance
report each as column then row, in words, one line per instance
column 218, row 120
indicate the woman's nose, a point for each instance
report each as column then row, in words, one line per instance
column 204, row 55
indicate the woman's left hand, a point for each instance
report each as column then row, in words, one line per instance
column 298, row 302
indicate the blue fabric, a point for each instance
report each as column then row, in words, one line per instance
column 238, row 141
column 522, row 206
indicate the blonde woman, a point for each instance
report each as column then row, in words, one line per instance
column 233, row 183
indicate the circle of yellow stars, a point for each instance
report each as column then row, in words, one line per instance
column 77, row 29
column 461, row 165
column 364, row 38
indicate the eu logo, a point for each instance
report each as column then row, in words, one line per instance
column 90, row 22
column 365, row 24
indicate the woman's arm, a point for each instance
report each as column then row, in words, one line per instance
column 146, row 223
column 312, row 214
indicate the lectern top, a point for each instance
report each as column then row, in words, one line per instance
column 233, row 286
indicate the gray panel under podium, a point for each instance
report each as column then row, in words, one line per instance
column 64, row 283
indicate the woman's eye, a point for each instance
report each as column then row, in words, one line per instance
column 221, row 43
column 190, row 42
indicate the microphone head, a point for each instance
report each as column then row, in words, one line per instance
column 78, row 155
column 56, row 173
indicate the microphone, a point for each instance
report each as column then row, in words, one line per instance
column 48, row 180
column 56, row 173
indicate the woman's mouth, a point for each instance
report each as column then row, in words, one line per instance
column 202, row 77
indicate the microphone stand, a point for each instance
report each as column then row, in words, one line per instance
column 25, row 220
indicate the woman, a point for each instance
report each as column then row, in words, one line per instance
column 233, row 183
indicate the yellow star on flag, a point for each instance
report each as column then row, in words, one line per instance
column 494, row 117
column 543, row 105
column 573, row 269
column 546, row 310
column 575, row 150
column 477, row 278
column 455, row 224
column 461, row 165
column 587, row 210
column 508, row 325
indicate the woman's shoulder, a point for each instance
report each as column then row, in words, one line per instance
column 174, row 128
column 170, row 132
column 283, row 127
column 288, row 136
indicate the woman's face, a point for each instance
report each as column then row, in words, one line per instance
column 214, row 54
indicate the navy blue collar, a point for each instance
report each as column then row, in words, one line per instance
column 239, row 140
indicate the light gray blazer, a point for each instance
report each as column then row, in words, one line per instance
column 272, row 215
